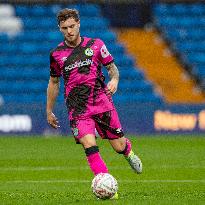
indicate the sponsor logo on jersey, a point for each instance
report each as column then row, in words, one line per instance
column 79, row 64
column 89, row 52
column 104, row 52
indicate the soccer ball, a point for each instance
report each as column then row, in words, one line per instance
column 104, row 186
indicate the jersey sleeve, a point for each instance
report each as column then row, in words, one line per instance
column 55, row 70
column 104, row 55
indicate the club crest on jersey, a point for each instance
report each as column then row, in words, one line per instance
column 75, row 132
column 104, row 52
column 88, row 52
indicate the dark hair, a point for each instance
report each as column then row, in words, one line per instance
column 66, row 13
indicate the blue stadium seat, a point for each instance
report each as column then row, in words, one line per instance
column 55, row 36
column 24, row 98
column 178, row 9
column 3, row 37
column 86, row 10
column 140, row 98
column 29, row 36
column 107, row 36
column 23, row 86
column 160, row 9
column 54, row 9
column 197, row 9
column 135, row 86
column 22, row 10
column 89, row 9
column 174, row 34
column 5, row 87
column 199, row 71
column 183, row 26
column 190, row 46
column 196, row 58
column 97, row 23
column 116, row 49
column 27, row 48
column 131, row 73
column 124, row 60
column 39, row 10
column 25, row 58
column 180, row 22
column 33, row 48
column 40, row 23
column 184, row 34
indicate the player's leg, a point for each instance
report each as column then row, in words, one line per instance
column 84, row 133
column 124, row 146
column 109, row 127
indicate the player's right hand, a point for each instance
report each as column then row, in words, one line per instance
column 52, row 120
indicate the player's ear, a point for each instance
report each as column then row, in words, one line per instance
column 59, row 27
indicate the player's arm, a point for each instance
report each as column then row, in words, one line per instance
column 114, row 77
column 52, row 93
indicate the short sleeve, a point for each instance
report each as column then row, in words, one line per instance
column 104, row 55
column 55, row 70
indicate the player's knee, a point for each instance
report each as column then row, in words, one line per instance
column 91, row 150
column 118, row 145
column 119, row 149
column 88, row 141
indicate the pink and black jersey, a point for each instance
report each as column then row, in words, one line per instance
column 81, row 67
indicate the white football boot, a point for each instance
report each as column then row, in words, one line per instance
column 134, row 162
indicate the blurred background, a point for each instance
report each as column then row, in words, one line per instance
column 158, row 46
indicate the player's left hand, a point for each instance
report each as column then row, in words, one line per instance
column 112, row 86
column 52, row 120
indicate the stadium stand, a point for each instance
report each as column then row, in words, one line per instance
column 25, row 57
column 183, row 26
column 160, row 65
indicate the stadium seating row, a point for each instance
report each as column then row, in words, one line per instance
column 120, row 99
column 51, row 10
column 24, row 48
column 43, row 60
column 23, row 85
column 34, row 73
column 38, row 23
column 55, row 36
column 181, row 9
column 183, row 26
column 190, row 46
column 25, row 57
column 185, row 34
column 185, row 22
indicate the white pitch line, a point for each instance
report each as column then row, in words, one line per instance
column 121, row 181
column 40, row 168
column 24, row 168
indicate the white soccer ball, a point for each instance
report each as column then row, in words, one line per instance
column 104, row 186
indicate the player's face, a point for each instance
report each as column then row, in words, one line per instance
column 70, row 29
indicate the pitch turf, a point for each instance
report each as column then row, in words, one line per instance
column 54, row 171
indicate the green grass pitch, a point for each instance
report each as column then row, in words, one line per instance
column 37, row 170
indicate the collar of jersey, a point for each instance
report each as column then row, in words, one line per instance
column 82, row 39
